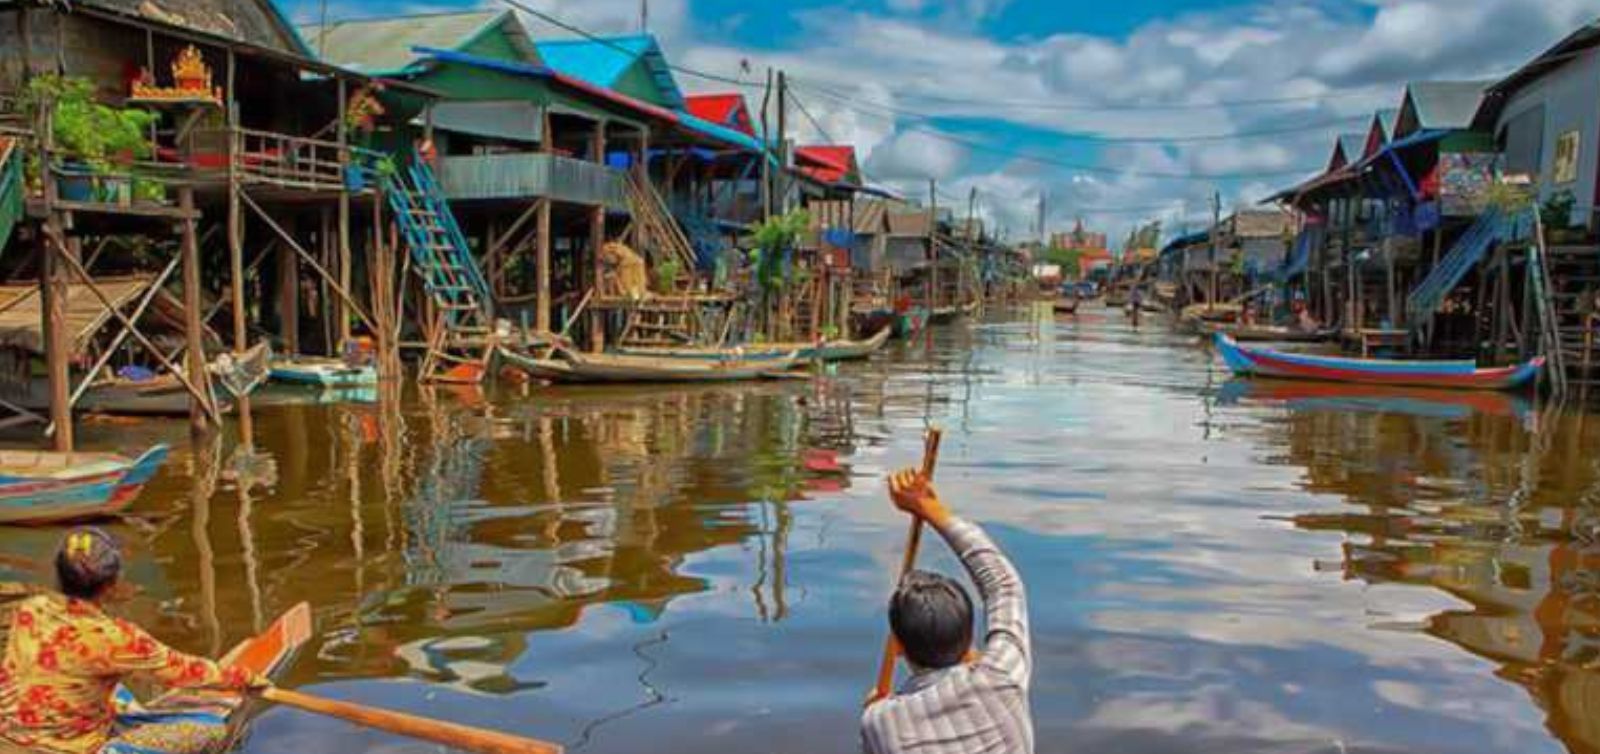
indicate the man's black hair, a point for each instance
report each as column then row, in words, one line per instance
column 931, row 616
column 88, row 563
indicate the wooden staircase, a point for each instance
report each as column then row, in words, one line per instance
column 662, row 322
column 459, row 323
column 1575, row 275
column 657, row 233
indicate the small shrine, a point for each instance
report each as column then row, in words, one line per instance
column 191, row 82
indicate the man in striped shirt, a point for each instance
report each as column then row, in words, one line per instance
column 954, row 704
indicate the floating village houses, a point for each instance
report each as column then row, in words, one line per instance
column 183, row 186
column 1461, row 222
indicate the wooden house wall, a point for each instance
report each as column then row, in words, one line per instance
column 272, row 96
column 1570, row 99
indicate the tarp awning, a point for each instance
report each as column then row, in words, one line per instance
column 513, row 120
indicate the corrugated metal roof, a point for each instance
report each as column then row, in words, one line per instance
column 722, row 109
column 257, row 22
column 384, row 46
column 1443, row 105
column 602, row 62
column 1564, row 52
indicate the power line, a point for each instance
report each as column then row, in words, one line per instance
column 1183, row 107
column 854, row 104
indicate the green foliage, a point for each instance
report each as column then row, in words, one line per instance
column 782, row 232
column 96, row 133
column 1067, row 258
column 667, row 274
column 1508, row 198
column 1556, row 211
column 771, row 239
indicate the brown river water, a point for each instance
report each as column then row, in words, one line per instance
column 1214, row 566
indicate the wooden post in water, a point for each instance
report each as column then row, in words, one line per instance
column 53, row 290
column 193, row 329
column 597, row 238
column 241, row 337
column 289, row 295
column 340, row 312
column 541, row 273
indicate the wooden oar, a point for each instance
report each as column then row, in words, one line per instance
column 453, row 735
column 891, row 648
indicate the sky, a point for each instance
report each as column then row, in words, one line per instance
column 1115, row 111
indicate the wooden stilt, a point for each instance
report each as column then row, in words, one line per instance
column 194, row 333
column 289, row 298
column 53, row 289
column 597, row 238
column 241, row 333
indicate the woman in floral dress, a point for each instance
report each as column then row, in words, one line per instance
column 65, row 659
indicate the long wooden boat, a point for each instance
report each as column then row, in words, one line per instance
column 1454, row 375
column 575, row 368
column 1244, row 333
column 323, row 372
column 267, row 654
column 40, row 487
column 828, row 350
column 1344, row 397
column 1065, row 306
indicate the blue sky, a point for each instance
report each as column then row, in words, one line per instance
column 1023, row 98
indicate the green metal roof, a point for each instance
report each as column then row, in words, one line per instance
column 1441, row 105
column 384, row 46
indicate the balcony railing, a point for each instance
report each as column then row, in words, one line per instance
column 532, row 174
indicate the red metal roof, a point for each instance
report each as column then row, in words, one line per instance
column 722, row 109
column 827, row 163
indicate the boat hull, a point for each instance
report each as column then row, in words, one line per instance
column 323, row 373
column 267, row 654
column 835, row 350
column 1452, row 375
column 100, row 486
column 616, row 369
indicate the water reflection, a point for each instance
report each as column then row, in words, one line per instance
column 1216, row 566
column 1489, row 504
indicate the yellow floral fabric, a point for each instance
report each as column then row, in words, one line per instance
column 64, row 658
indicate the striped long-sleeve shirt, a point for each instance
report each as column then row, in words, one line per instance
column 967, row 709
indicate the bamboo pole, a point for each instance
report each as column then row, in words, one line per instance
column 241, row 334
column 194, row 332
column 288, row 240
column 597, row 238
column 891, row 648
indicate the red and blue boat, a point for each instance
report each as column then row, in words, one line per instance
column 1452, row 375
column 38, row 487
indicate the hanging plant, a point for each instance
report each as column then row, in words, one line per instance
column 361, row 113
column 772, row 240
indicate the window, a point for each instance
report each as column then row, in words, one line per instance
column 1523, row 139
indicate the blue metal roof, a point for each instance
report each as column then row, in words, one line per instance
column 603, row 62
column 1188, row 239
column 718, row 132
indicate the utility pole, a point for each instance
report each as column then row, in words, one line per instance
column 644, row 16
column 1216, row 220
column 783, row 141
column 766, row 164
column 933, row 245
column 972, row 239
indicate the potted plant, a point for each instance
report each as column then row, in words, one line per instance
column 94, row 136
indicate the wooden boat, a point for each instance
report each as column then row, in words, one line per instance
column 268, row 654
column 1339, row 397
column 828, row 350
column 1066, row 306
column 39, row 487
column 570, row 367
column 230, row 375
column 1454, row 375
column 1244, row 333
column 323, row 372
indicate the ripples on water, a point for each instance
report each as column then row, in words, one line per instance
column 1215, row 566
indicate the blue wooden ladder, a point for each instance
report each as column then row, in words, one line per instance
column 460, row 330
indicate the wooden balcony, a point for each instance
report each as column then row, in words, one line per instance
column 529, row 175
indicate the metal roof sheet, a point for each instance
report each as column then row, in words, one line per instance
column 603, row 61
column 384, row 46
